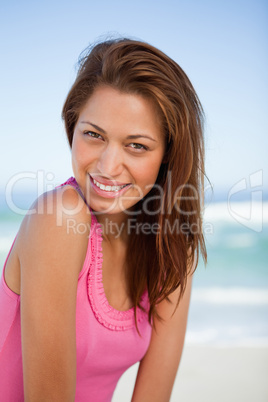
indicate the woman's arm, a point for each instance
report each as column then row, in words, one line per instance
column 50, row 261
column 158, row 368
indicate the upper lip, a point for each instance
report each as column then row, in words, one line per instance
column 106, row 182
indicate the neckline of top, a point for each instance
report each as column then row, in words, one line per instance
column 104, row 312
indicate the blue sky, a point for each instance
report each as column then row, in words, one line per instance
column 221, row 45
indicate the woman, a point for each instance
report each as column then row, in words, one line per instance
column 99, row 275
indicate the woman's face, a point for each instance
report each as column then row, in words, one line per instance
column 117, row 149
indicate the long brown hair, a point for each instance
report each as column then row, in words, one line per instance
column 161, row 260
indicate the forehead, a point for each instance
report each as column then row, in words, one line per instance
column 121, row 110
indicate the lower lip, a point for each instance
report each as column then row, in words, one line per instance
column 108, row 194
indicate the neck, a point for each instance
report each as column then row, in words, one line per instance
column 114, row 226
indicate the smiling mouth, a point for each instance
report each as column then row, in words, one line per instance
column 108, row 188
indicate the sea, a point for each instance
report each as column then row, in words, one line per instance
column 229, row 302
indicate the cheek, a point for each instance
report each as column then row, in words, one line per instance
column 146, row 173
column 80, row 155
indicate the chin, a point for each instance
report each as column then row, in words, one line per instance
column 110, row 208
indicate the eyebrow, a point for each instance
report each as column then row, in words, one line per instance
column 130, row 137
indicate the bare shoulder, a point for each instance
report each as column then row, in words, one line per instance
column 59, row 222
column 58, row 205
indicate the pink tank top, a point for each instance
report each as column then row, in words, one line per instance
column 107, row 341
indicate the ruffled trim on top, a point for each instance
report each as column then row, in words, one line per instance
column 106, row 315
column 103, row 311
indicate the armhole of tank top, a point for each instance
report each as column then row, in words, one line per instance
column 6, row 288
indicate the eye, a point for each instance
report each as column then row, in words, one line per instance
column 137, row 146
column 92, row 134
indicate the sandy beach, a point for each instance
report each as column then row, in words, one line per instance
column 213, row 374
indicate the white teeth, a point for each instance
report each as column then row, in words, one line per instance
column 108, row 188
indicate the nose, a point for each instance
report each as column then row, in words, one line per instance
column 110, row 161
